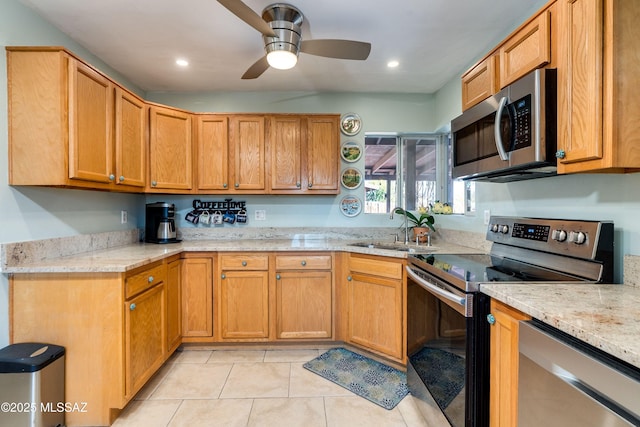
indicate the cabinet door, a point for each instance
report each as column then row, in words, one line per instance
column 375, row 314
column 285, row 147
column 580, row 82
column 246, row 134
column 528, row 49
column 480, row 82
column 213, row 152
column 323, row 148
column 197, row 297
column 303, row 304
column 130, row 139
column 144, row 337
column 244, row 305
column 503, row 410
column 173, row 293
column 90, row 124
column 170, row 149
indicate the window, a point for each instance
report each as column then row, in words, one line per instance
column 424, row 163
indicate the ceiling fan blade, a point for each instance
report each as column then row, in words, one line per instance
column 332, row 48
column 256, row 70
column 247, row 14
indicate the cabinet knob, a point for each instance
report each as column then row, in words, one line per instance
column 150, row 279
column 277, row 277
column 224, row 185
column 303, row 263
column 561, row 154
column 224, row 276
column 349, row 278
column 132, row 307
column 310, row 185
column 121, row 178
column 236, row 185
column 491, row 319
column 298, row 185
column 244, row 263
column 112, row 177
column 154, row 183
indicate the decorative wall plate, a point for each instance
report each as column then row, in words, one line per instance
column 351, row 151
column 350, row 206
column 351, row 178
column 350, row 124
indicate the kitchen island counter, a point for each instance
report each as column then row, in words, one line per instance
column 605, row 316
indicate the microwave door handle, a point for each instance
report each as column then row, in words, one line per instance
column 496, row 129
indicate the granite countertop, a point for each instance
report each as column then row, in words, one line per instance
column 605, row 316
column 128, row 257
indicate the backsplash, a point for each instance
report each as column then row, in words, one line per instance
column 631, row 270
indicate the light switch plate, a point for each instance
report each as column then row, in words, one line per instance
column 487, row 216
column 261, row 215
column 124, row 217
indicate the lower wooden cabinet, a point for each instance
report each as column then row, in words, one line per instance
column 503, row 411
column 173, row 298
column 144, row 317
column 197, row 297
column 304, row 295
column 375, row 305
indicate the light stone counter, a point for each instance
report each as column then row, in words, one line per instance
column 605, row 316
column 129, row 257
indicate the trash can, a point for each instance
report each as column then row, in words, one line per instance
column 32, row 385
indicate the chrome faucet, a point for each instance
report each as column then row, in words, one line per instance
column 406, row 225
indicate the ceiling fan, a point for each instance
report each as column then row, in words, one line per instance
column 280, row 26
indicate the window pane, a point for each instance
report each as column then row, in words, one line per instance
column 420, row 171
column 381, row 155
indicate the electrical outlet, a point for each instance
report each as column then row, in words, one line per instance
column 124, row 217
column 487, row 216
column 261, row 215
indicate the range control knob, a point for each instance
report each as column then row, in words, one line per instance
column 494, row 228
column 559, row 235
column 504, row 229
column 577, row 237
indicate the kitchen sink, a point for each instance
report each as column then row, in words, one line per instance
column 394, row 247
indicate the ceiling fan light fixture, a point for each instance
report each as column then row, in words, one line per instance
column 282, row 59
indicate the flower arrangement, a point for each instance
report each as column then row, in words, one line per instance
column 423, row 221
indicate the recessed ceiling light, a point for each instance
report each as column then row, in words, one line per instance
column 392, row 64
column 182, row 62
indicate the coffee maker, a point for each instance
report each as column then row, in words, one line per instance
column 160, row 224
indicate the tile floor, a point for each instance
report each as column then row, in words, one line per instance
column 254, row 388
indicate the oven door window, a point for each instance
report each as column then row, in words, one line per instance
column 437, row 350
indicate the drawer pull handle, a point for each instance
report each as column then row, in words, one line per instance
column 224, row 276
column 277, row 277
column 150, row 279
column 244, row 263
column 491, row 319
column 132, row 306
column 303, row 263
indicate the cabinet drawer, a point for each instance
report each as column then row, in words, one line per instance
column 376, row 267
column 307, row 262
column 144, row 280
column 244, row 262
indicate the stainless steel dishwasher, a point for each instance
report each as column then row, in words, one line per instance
column 565, row 382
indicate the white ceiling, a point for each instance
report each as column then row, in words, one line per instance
column 434, row 40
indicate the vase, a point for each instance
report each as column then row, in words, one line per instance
column 420, row 233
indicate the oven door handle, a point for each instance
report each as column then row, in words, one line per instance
column 436, row 290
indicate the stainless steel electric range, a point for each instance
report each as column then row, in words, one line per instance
column 447, row 327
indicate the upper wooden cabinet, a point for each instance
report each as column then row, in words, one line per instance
column 62, row 114
column 530, row 46
column 598, row 109
column 212, row 147
column 304, row 154
column 247, row 153
column 170, row 150
column 480, row 82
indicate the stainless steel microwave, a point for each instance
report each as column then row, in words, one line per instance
column 510, row 136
